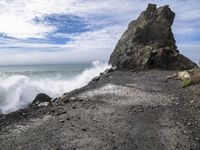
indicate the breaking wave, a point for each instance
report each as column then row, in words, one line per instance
column 17, row 91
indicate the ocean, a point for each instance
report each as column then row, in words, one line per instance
column 20, row 84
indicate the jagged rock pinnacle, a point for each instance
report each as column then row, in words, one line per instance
column 149, row 43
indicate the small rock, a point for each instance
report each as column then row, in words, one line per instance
column 183, row 75
column 62, row 97
column 172, row 76
column 74, row 107
column 189, row 123
column 185, row 132
column 61, row 121
column 197, row 138
column 191, row 102
column 24, row 114
column 64, row 112
column 80, row 100
column 73, row 99
column 60, row 113
column 112, row 113
column 84, row 129
column 41, row 99
column 176, row 103
column 187, row 137
column 96, row 78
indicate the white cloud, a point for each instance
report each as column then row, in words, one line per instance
column 18, row 27
column 85, row 47
column 102, row 38
column 16, row 20
column 16, row 17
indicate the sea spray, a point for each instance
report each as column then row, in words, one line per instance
column 17, row 91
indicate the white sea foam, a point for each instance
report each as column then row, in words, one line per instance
column 17, row 91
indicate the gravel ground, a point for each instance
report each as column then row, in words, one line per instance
column 122, row 110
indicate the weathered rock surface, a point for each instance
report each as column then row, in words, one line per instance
column 148, row 43
column 41, row 100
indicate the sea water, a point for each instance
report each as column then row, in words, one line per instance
column 20, row 84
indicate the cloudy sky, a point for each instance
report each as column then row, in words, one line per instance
column 74, row 31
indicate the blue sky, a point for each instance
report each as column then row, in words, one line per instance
column 76, row 31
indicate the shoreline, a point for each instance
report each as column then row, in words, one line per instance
column 148, row 102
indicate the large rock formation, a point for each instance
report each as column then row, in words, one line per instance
column 148, row 43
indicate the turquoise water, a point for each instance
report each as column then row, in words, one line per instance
column 20, row 84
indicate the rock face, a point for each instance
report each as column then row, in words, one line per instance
column 148, row 43
column 41, row 100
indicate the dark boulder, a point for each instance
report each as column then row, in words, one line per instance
column 41, row 99
column 148, row 43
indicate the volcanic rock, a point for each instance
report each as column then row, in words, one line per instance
column 148, row 43
column 41, row 99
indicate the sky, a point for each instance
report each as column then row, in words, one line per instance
column 80, row 31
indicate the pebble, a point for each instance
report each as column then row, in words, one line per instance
column 64, row 112
column 61, row 121
column 74, row 107
column 72, row 98
column 197, row 138
column 80, row 100
column 24, row 114
column 185, row 132
column 191, row 102
column 176, row 103
column 83, row 129
column 112, row 113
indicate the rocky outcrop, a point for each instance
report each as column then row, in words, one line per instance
column 42, row 100
column 148, row 43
